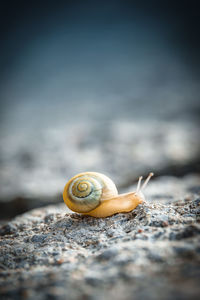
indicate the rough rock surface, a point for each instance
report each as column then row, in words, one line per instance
column 152, row 252
column 34, row 166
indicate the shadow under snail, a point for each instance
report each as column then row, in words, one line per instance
column 96, row 195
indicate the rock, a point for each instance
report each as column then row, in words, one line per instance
column 8, row 229
column 150, row 253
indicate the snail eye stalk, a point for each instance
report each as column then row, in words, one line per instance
column 139, row 184
column 146, row 181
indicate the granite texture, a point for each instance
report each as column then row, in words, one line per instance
column 152, row 252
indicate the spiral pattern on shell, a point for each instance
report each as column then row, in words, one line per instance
column 85, row 191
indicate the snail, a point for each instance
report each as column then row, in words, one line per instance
column 96, row 195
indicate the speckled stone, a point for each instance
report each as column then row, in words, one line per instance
column 152, row 252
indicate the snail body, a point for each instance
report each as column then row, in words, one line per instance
column 96, row 195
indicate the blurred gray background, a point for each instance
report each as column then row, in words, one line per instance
column 109, row 86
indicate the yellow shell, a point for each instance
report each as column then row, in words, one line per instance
column 85, row 191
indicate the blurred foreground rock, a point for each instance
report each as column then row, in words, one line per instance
column 152, row 252
column 34, row 166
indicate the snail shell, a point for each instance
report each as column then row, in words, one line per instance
column 85, row 191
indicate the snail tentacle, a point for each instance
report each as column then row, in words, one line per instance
column 146, row 181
